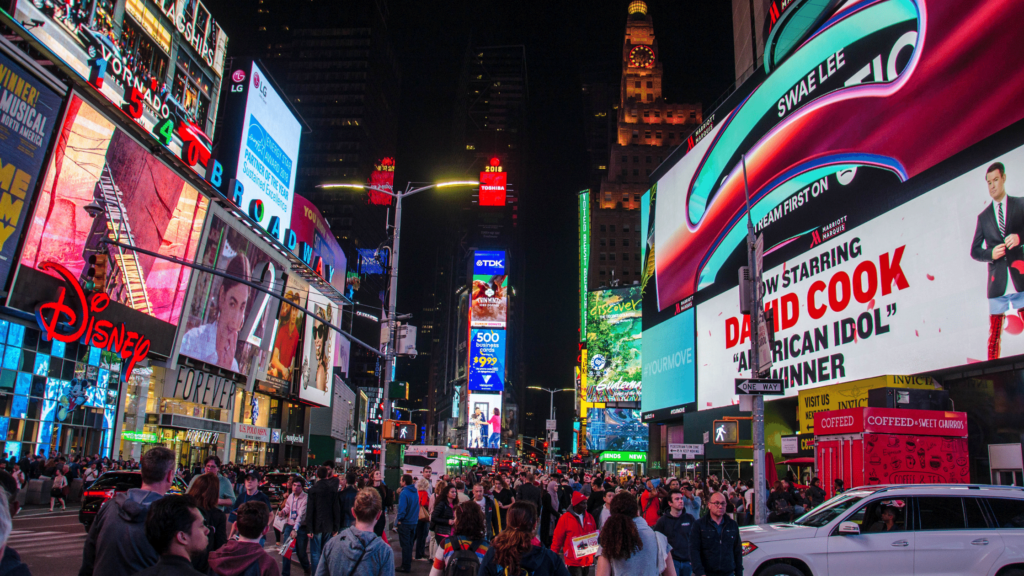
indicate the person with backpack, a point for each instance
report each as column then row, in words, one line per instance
column 463, row 551
column 515, row 552
column 356, row 550
column 574, row 523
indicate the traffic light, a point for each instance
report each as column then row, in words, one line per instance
column 96, row 276
column 545, row 445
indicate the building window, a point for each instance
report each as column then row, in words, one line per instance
column 657, row 114
column 636, row 84
column 657, row 134
column 650, row 97
column 192, row 87
column 648, row 171
column 636, row 134
column 647, row 113
column 693, row 114
column 611, row 228
column 625, row 272
column 602, row 257
column 625, row 172
column 636, row 172
column 632, row 112
column 603, row 242
column 636, row 198
column 601, row 272
column 611, row 242
column 625, row 241
column 625, row 159
column 636, row 159
column 671, row 135
column 611, row 256
column 625, row 256
column 669, row 113
column 648, row 159
column 608, row 195
column 625, row 227
column 647, row 134
column 650, row 84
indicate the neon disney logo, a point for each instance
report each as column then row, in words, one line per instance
column 79, row 312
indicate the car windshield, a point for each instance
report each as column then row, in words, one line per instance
column 118, row 481
column 831, row 509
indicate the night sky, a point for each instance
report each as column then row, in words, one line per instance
column 562, row 39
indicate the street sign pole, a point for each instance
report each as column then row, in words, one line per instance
column 756, row 314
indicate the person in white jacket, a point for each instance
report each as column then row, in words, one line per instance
column 294, row 512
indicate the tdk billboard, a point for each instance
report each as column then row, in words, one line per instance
column 491, row 263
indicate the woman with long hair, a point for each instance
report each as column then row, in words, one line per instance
column 443, row 516
column 205, row 491
column 629, row 545
column 504, row 497
column 467, row 534
column 548, row 512
column 515, row 551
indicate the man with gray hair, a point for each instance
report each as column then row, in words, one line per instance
column 117, row 544
column 10, row 562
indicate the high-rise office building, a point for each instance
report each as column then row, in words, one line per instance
column 646, row 128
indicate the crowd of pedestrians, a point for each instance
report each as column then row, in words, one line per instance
column 475, row 524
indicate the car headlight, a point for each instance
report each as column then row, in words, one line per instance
column 748, row 547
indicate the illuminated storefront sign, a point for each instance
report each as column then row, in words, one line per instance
column 201, row 387
column 84, row 327
column 250, row 432
column 623, row 457
column 202, row 436
column 131, row 436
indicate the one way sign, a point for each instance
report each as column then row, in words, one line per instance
column 765, row 386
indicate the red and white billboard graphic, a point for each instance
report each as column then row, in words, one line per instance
column 891, row 421
column 492, row 188
column 382, row 178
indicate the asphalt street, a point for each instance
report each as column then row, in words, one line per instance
column 51, row 543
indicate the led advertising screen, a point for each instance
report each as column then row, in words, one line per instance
column 284, row 360
column 483, row 422
column 28, row 113
column 316, row 379
column 101, row 184
column 486, row 360
column 227, row 320
column 316, row 245
column 615, row 429
column 883, row 254
column 492, row 188
column 260, row 149
column 584, row 210
column 490, row 285
column 669, row 367
column 160, row 62
column 613, row 345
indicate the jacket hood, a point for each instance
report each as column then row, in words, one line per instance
column 134, row 504
column 235, row 557
column 535, row 559
column 353, row 542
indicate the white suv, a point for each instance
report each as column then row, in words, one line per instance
column 932, row 529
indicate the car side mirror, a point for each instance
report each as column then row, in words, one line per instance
column 849, row 528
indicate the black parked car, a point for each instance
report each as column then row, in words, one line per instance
column 109, row 485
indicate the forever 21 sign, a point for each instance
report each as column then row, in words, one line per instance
column 204, row 388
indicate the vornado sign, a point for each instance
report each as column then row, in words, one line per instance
column 192, row 385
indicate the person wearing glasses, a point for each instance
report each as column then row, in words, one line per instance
column 715, row 545
column 226, row 492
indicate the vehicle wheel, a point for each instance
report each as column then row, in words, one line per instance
column 1012, row 572
column 780, row 570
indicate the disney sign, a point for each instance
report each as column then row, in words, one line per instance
column 79, row 312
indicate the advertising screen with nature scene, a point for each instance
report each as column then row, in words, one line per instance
column 613, row 345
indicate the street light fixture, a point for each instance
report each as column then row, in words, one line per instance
column 389, row 354
column 551, row 392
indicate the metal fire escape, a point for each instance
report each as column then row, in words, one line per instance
column 127, row 263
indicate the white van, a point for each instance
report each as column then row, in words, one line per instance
column 933, row 529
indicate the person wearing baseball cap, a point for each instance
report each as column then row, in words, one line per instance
column 575, row 522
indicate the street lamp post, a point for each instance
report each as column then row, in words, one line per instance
column 389, row 352
column 547, row 433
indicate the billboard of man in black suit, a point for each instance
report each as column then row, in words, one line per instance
column 997, row 243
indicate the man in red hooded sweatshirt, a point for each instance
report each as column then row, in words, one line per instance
column 245, row 556
column 574, row 523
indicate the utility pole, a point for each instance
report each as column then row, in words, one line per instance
column 756, row 311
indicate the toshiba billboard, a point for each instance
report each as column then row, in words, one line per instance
column 492, row 188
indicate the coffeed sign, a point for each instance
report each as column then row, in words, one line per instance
column 196, row 386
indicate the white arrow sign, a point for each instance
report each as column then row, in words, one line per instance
column 759, row 386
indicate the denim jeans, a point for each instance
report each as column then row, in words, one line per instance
column 406, row 533
column 301, row 540
column 682, row 568
column 422, row 529
column 317, row 542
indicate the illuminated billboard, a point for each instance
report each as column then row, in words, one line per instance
column 126, row 55
column 489, row 307
column 259, row 149
column 382, row 180
column 613, row 345
column 483, row 422
column 315, row 244
column 883, row 248
column 615, row 429
column 492, row 188
column 584, row 210
column 30, row 111
column 284, row 361
column 103, row 185
column 316, row 379
column 669, row 367
column 486, row 360
column 227, row 320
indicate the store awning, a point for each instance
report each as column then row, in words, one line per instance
column 799, row 461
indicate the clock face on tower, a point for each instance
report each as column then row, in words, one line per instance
column 641, row 57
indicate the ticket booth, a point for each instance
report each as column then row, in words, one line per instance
column 868, row 446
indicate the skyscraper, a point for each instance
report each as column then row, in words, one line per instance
column 646, row 128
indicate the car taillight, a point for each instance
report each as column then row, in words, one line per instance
column 99, row 493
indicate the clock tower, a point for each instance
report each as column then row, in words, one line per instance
column 646, row 129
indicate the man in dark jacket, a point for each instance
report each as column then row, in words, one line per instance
column 407, row 519
column 323, row 513
column 715, row 545
column 675, row 525
column 347, row 497
column 117, row 543
column 596, row 499
column 815, row 495
column 528, row 492
column 177, row 531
